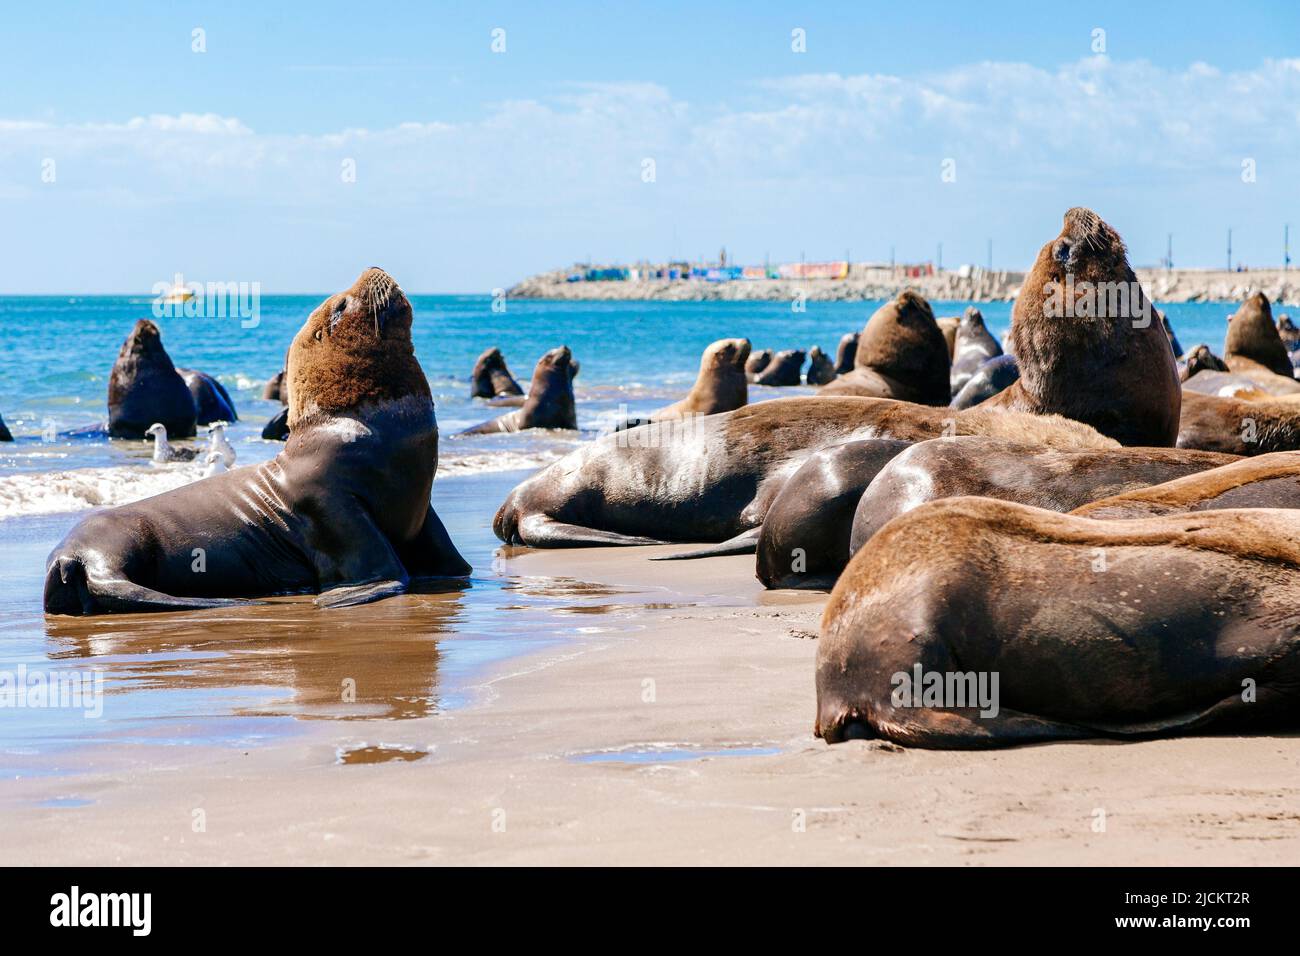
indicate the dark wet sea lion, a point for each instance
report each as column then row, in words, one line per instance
column 992, row 468
column 990, row 378
column 901, row 354
column 277, row 427
column 491, row 377
column 273, row 390
column 5, row 434
column 948, row 326
column 974, row 347
column 1288, row 333
column 820, row 368
column 785, row 369
column 1199, row 359
column 550, row 402
column 756, row 362
column 1161, row 626
column 713, row 478
column 1267, row 481
column 1169, row 333
column 1254, row 348
column 1087, row 341
column 212, row 403
column 1238, row 426
column 846, row 353
column 343, row 510
column 144, row 387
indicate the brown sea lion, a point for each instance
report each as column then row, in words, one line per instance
column 901, row 354
column 1253, row 347
column 820, row 367
column 784, row 369
column 1288, row 333
column 1239, row 426
column 212, row 403
column 1199, row 359
column 1267, row 481
column 491, row 377
column 1237, row 385
column 713, row 478
column 972, row 623
column 273, row 390
column 343, row 511
column 846, row 353
column 948, row 326
column 720, row 385
column 974, row 347
column 550, row 402
column 756, row 362
column 1058, row 480
column 1084, row 335
column 144, row 388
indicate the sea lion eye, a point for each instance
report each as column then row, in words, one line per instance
column 339, row 308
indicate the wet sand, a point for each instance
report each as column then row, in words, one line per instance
column 672, row 725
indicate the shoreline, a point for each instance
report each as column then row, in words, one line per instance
column 864, row 284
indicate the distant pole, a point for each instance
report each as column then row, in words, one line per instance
column 1229, row 250
column 1169, row 252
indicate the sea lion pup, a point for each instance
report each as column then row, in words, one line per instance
column 1239, row 426
column 990, row 378
column 948, row 326
column 757, row 362
column 1199, row 359
column 491, row 377
column 1268, row 481
column 5, row 434
column 820, row 367
column 901, row 354
column 212, row 403
column 1058, row 480
column 1253, row 347
column 343, row 510
column 273, row 390
column 711, row 479
column 1169, row 333
column 846, row 353
column 973, row 348
column 144, row 387
column 1083, row 333
column 784, row 369
column 720, row 386
column 1090, row 628
column 550, row 402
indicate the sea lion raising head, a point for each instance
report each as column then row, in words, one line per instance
column 1253, row 343
column 491, row 377
column 550, row 402
column 144, row 388
column 901, row 354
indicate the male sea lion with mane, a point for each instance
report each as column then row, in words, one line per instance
column 1254, row 348
column 343, row 511
column 144, row 388
column 1087, row 340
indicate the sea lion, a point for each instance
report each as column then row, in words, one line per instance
column 948, row 326
column 1239, row 426
column 343, row 510
column 491, row 377
column 1236, row 385
column 1288, row 333
column 5, row 434
column 212, row 403
column 144, row 387
column 1083, row 335
column 974, row 347
column 1058, row 480
column 757, row 362
column 1253, row 347
column 901, row 354
column 1268, row 481
column 550, row 402
column 784, row 369
column 846, row 353
column 1144, row 628
column 1169, row 333
column 990, row 378
column 277, row 427
column 1199, row 359
column 720, row 386
column 820, row 367
column 711, row 479
column 273, row 391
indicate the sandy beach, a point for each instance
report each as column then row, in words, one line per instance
column 677, row 730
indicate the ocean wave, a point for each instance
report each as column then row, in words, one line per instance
column 54, row 492
column 474, row 464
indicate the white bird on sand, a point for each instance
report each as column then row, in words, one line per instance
column 164, row 452
column 216, row 462
column 217, row 441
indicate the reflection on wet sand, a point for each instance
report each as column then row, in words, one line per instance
column 375, row 661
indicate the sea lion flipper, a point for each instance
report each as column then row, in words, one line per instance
column 350, row 595
column 542, row 531
column 431, row 554
column 70, row 589
column 744, row 543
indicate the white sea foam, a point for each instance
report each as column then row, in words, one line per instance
column 473, row 464
column 53, row 492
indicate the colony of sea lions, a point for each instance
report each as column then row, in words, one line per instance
column 1103, row 530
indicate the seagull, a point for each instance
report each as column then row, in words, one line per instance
column 162, row 451
column 217, row 441
column 216, row 462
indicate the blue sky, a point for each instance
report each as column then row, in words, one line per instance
column 474, row 168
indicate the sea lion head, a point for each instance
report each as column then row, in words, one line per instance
column 556, row 369
column 972, row 320
column 1201, row 359
column 491, row 376
column 902, row 340
column 1252, row 335
column 726, row 354
column 145, row 341
column 355, row 350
